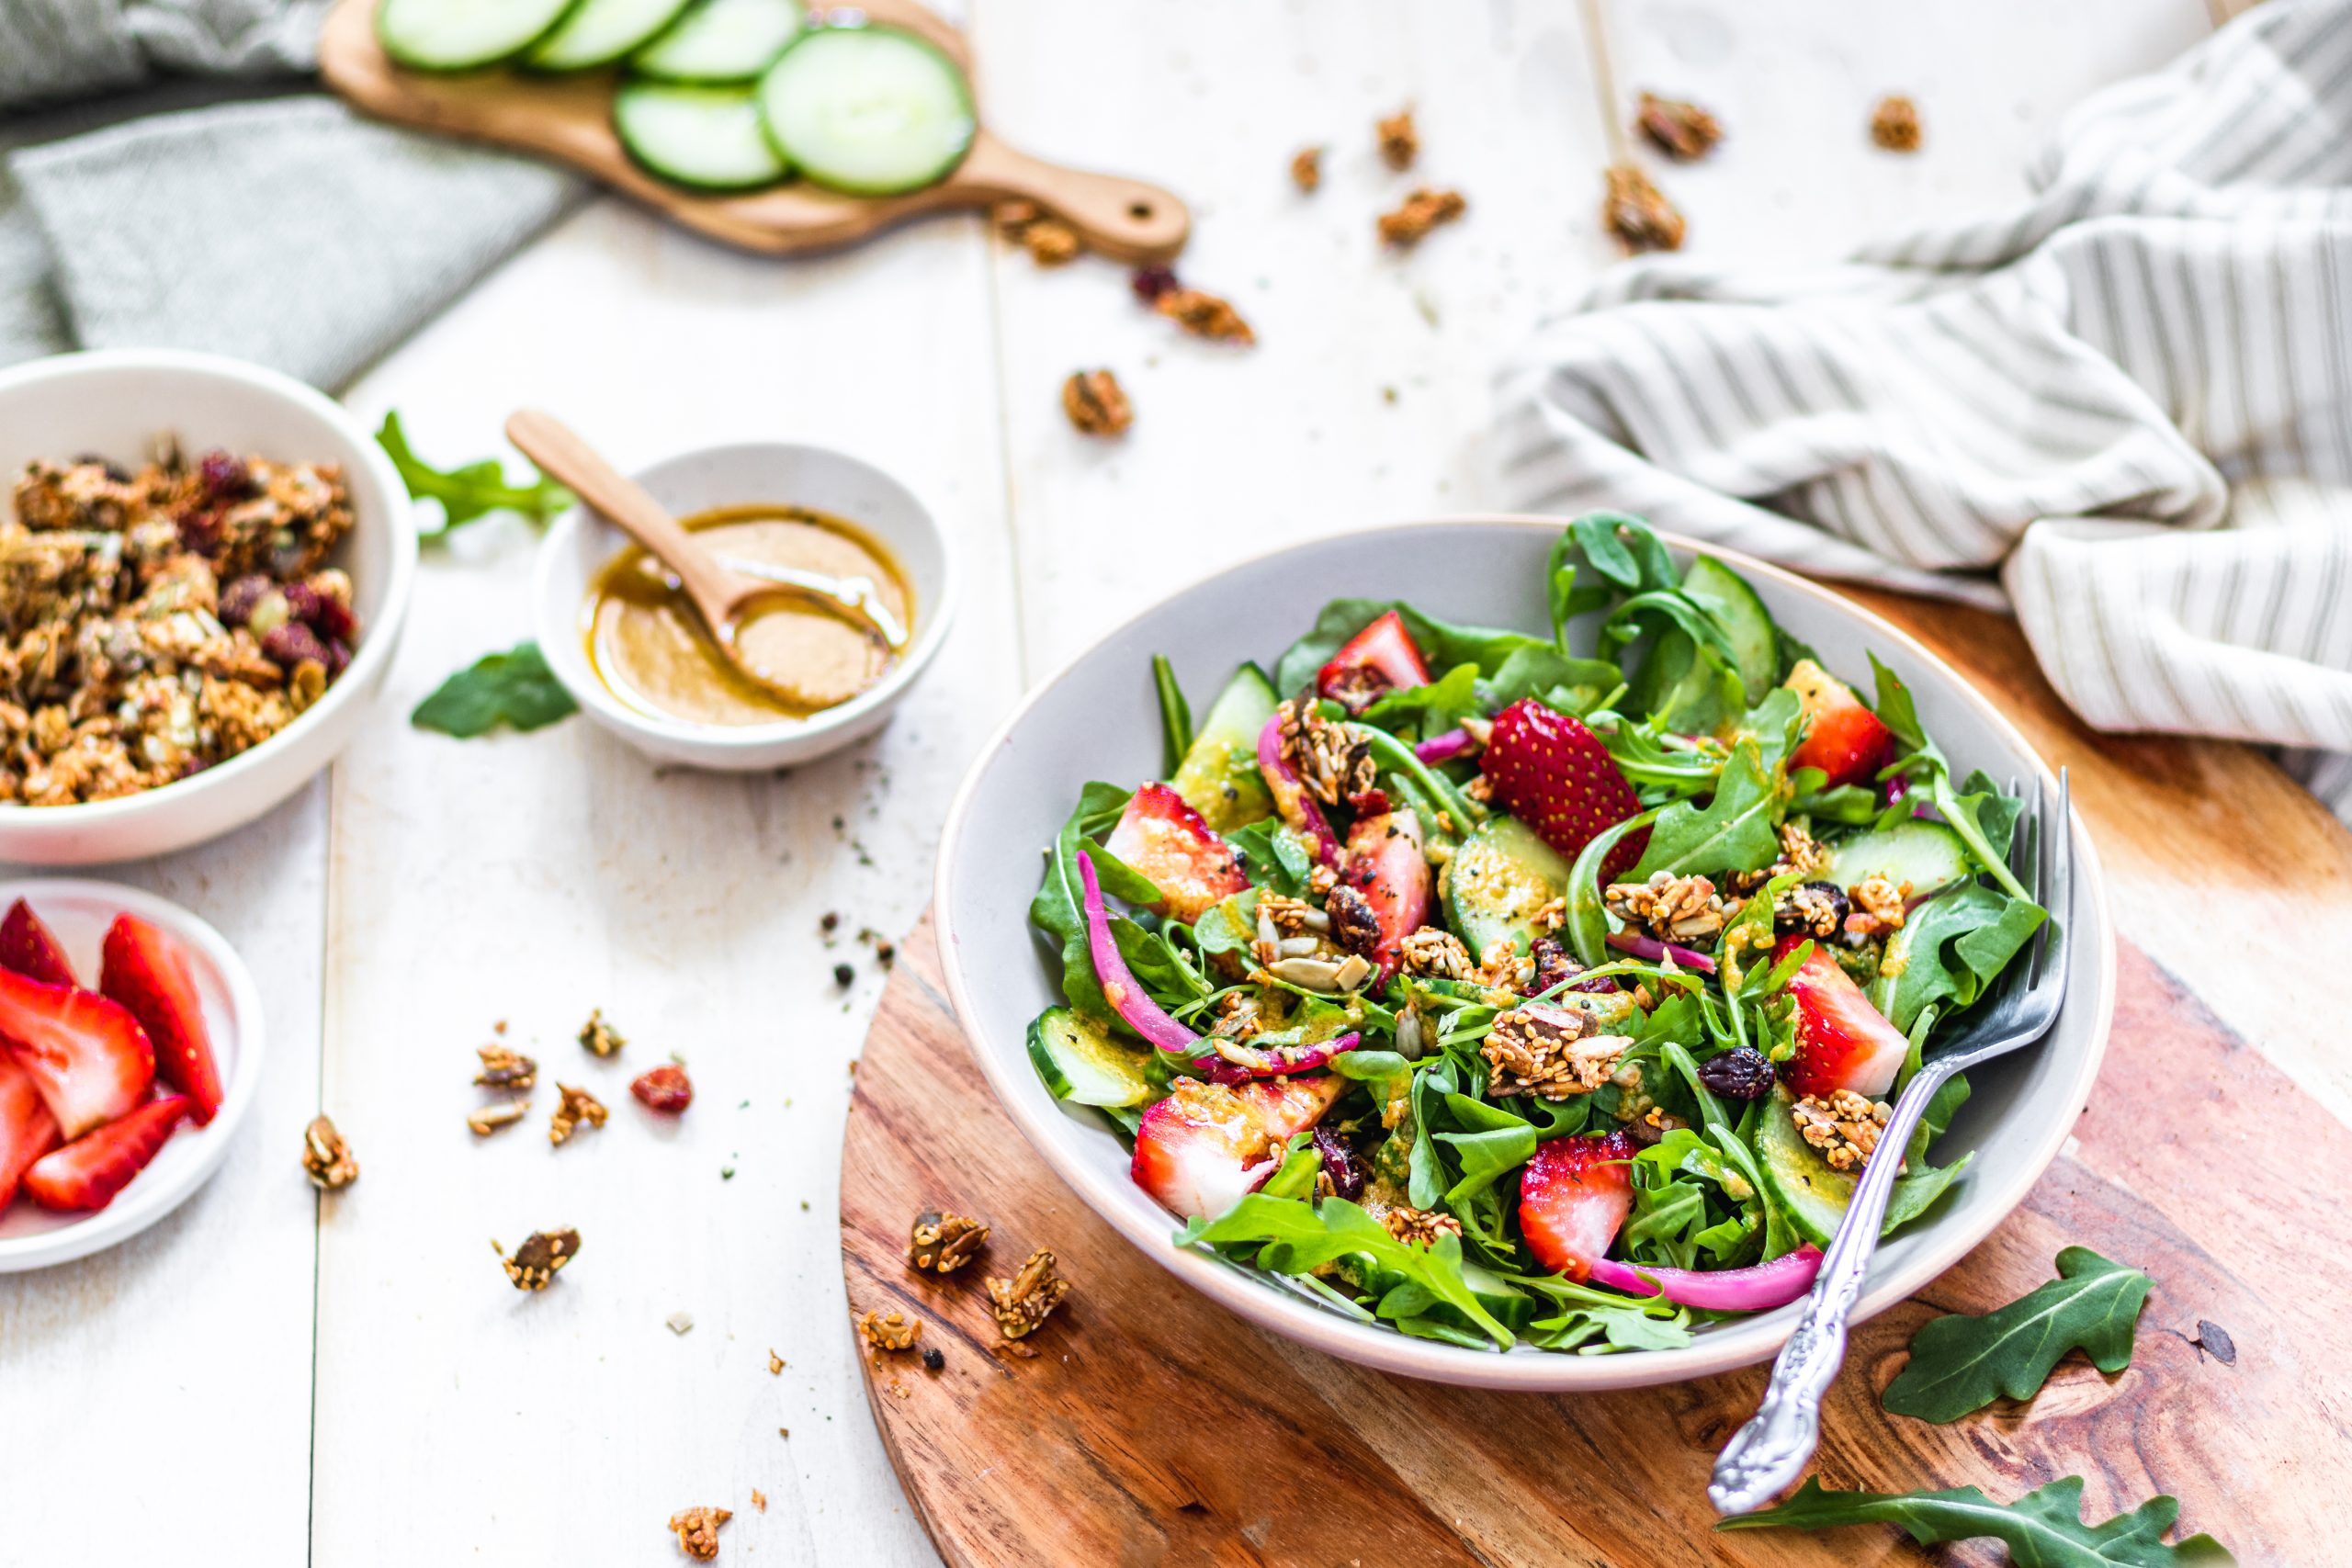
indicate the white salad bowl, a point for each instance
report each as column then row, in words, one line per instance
column 752, row 473
column 115, row 403
column 1098, row 719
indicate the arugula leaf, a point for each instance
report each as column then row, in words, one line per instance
column 1950, row 949
column 1175, row 714
column 1444, row 645
column 1433, row 709
column 1967, row 815
column 1960, row 1363
column 1495, row 1144
column 2043, row 1529
column 1899, row 714
column 1058, row 911
column 1556, row 679
column 1586, row 918
column 512, row 688
column 1275, row 857
column 470, row 491
column 1732, row 832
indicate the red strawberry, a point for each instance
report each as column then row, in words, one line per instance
column 88, row 1172
column 146, row 972
column 1377, row 660
column 1842, row 738
column 1550, row 771
column 88, row 1054
column 1573, row 1195
column 27, row 1129
column 30, row 948
column 664, row 1089
column 1842, row 1041
column 1207, row 1145
column 1172, row 844
column 1385, row 861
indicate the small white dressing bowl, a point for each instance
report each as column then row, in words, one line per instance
column 758, row 473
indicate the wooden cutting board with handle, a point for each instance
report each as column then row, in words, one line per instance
column 1152, row 1427
column 569, row 118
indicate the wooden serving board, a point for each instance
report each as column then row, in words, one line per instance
column 570, row 118
column 1154, row 1428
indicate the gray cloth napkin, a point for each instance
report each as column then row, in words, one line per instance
column 286, row 230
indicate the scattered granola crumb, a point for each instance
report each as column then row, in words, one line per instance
column 577, row 1106
column 1307, row 169
column 1683, row 132
column 759, row 1500
column 886, row 954
column 1023, row 1302
column 491, row 1118
column 1096, row 404
column 1894, row 124
column 1422, row 211
column 943, row 1241
column 1203, row 315
column 499, row 1028
column 889, row 1331
column 541, row 1256
column 776, row 1363
column 844, row 976
column 502, row 1068
column 679, row 1323
column 933, row 1360
column 1399, row 139
column 1634, row 211
column 665, row 1088
column 1049, row 241
column 697, row 1532
column 600, row 1037
column 326, row 1158
column 829, row 922
column 784, row 1432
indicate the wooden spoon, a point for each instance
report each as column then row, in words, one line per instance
column 727, row 594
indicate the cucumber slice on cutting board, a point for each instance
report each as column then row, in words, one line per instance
column 463, row 35
column 721, row 41
column 872, row 111
column 1498, row 878
column 1219, row 777
column 708, row 137
column 600, row 31
column 1926, row 854
column 1081, row 1064
column 1755, row 643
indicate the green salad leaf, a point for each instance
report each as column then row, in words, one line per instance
column 1444, row 645
column 1175, row 715
column 1734, row 832
column 470, row 490
column 1950, row 949
column 1961, row 1364
column 1273, row 856
column 2043, row 1529
column 515, row 688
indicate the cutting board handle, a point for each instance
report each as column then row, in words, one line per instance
column 1125, row 220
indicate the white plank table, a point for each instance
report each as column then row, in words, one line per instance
column 264, row 1379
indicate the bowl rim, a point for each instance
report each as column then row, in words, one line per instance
column 1732, row 1345
column 369, row 661
column 593, row 694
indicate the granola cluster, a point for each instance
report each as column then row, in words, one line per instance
column 1096, row 404
column 1437, row 955
column 1331, row 758
column 1877, row 907
column 326, row 1158
column 942, row 1242
column 697, row 1532
column 891, row 1330
column 1398, row 139
column 1202, row 314
column 1023, row 1302
column 1553, row 1053
column 1683, row 132
column 599, row 1038
column 1672, row 908
column 1048, row 239
column 541, row 1256
column 1633, row 210
column 576, row 1107
column 1412, row 221
column 1894, row 124
column 1418, row 1227
column 1844, row 1126
column 156, row 623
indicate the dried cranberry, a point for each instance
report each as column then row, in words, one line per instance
column 293, row 643
column 1354, row 927
column 1741, row 1073
column 323, row 612
column 240, row 598
column 338, row 657
column 1340, row 1164
column 1150, row 282
column 1369, row 803
column 202, row 528
column 663, row 1088
column 225, row 476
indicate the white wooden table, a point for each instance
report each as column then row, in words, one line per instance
column 268, row 1378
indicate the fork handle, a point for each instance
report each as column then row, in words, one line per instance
column 1770, row 1452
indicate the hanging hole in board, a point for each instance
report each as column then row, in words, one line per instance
column 1139, row 210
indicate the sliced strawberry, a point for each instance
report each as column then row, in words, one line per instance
column 89, row 1057
column 1375, row 662
column 1207, row 1145
column 1550, row 771
column 27, row 1129
column 88, row 1172
column 1573, row 1195
column 1172, row 844
column 1842, row 1041
column 31, row 949
column 146, row 971
column 1385, row 863
column 1842, row 738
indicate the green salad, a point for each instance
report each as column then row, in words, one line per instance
column 1530, row 987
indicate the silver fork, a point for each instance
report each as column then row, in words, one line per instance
column 1770, row 1452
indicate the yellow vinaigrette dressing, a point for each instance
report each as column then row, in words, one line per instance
column 840, row 619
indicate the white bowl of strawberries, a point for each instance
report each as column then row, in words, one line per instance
column 131, row 1046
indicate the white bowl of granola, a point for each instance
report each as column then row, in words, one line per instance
column 204, row 566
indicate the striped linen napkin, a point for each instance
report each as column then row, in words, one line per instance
column 2133, row 396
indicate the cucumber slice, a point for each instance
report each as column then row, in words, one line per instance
column 872, row 111
column 600, row 32
column 463, row 35
column 708, row 137
column 1499, row 876
column 721, row 41
column 1814, row 1196
column 1755, row 641
column 1081, row 1064
column 1926, row 854
column 1219, row 777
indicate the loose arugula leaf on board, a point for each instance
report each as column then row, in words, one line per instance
column 1175, row 715
column 2042, row 1529
column 471, row 489
column 1734, row 831
column 514, row 688
column 1961, row 1364
column 1059, row 910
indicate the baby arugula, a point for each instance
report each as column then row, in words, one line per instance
column 2043, row 1529
column 470, row 491
column 512, row 688
column 1960, row 1363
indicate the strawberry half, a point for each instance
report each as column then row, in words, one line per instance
column 88, row 1172
column 147, row 972
column 27, row 1129
column 1842, row 738
column 88, row 1055
column 1842, row 1041
column 31, row 949
column 1375, row 662
column 1385, row 863
column 1208, row 1146
column 1573, row 1196
column 1172, row 844
column 1550, row 771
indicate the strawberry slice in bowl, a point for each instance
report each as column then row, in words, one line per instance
column 1165, row 840
column 1573, row 1196
column 1842, row 1041
column 1842, row 738
column 1547, row 769
column 1377, row 660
